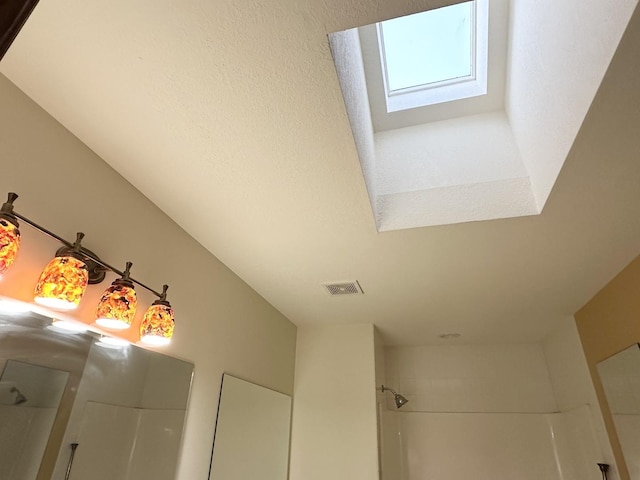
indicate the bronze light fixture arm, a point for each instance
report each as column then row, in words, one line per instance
column 99, row 268
column 41, row 228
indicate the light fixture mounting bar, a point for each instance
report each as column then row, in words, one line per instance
column 42, row 229
column 92, row 256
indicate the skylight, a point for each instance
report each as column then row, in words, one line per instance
column 429, row 47
column 435, row 56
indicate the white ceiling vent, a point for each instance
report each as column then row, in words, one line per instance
column 349, row 287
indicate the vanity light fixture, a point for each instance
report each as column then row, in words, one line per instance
column 64, row 281
column 9, row 234
column 117, row 307
column 157, row 326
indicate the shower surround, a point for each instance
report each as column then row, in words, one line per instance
column 513, row 412
column 486, row 446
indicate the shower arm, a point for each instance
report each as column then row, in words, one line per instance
column 384, row 389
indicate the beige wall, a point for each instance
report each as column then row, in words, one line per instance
column 222, row 325
column 608, row 324
column 334, row 405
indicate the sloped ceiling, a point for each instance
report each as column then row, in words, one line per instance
column 229, row 116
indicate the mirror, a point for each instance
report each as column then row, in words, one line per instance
column 124, row 406
column 620, row 377
column 29, row 399
column 252, row 433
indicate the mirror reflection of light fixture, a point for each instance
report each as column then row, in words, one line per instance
column 117, row 307
column 13, row 307
column 64, row 281
column 157, row 325
column 9, row 234
column 67, row 326
column 112, row 342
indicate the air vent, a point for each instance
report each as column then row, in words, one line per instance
column 351, row 287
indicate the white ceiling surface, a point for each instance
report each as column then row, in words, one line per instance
column 229, row 116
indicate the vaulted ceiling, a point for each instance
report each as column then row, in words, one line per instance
column 229, row 117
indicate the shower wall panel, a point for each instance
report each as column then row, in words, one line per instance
column 486, row 446
column 126, row 443
column 627, row 428
column 25, row 432
column 459, row 446
column 518, row 411
column 471, row 378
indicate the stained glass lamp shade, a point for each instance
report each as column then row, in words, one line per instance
column 157, row 325
column 9, row 243
column 117, row 307
column 62, row 283
column 9, row 235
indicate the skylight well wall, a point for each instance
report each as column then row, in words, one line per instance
column 490, row 156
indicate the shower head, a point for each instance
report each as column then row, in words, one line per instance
column 399, row 400
column 20, row 398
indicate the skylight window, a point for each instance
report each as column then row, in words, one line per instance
column 435, row 56
column 428, row 47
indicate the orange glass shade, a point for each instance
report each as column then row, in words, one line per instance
column 9, row 244
column 117, row 307
column 62, row 283
column 157, row 325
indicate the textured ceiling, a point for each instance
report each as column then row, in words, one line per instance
column 229, row 116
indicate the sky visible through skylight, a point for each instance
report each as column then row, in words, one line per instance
column 428, row 47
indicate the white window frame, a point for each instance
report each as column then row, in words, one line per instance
column 447, row 90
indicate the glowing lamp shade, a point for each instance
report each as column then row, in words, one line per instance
column 117, row 307
column 156, row 328
column 9, row 234
column 62, row 283
column 9, row 243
